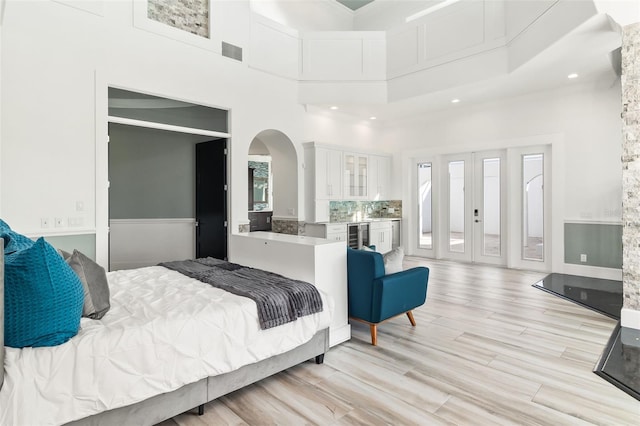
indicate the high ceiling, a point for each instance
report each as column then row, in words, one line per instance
column 589, row 50
column 354, row 4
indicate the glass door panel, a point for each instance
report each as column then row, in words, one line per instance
column 425, row 207
column 456, row 207
column 533, row 207
column 491, row 231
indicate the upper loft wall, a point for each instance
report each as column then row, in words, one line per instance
column 319, row 15
column 386, row 15
column 519, row 15
column 623, row 12
column 551, row 25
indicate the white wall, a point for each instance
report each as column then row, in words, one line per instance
column 54, row 105
column 583, row 119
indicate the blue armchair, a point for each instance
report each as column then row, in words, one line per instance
column 375, row 297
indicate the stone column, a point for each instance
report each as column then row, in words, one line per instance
column 630, row 80
column 187, row 15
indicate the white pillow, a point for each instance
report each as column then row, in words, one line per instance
column 393, row 261
column 366, row 248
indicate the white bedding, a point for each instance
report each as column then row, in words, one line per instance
column 164, row 330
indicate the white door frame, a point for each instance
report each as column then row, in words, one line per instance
column 480, row 220
column 516, row 229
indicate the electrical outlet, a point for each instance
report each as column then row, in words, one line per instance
column 79, row 206
column 59, row 222
column 76, row 221
column 583, row 258
column 44, row 222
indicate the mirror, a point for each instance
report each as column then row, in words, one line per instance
column 259, row 177
column 260, row 189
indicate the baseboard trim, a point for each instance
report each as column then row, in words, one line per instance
column 593, row 272
column 630, row 318
column 342, row 334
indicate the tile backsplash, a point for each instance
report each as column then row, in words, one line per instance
column 355, row 211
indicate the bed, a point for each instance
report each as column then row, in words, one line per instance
column 158, row 352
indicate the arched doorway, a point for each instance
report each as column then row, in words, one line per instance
column 275, row 183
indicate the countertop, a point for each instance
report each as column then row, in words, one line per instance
column 349, row 222
column 287, row 238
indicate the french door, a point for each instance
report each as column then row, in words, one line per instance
column 490, row 207
column 474, row 208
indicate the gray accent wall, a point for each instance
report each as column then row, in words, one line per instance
column 602, row 243
column 83, row 243
column 152, row 173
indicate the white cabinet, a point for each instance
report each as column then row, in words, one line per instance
column 328, row 165
column 380, row 235
column 322, row 180
column 395, row 233
column 332, row 232
column 379, row 177
column 356, row 168
column 331, row 174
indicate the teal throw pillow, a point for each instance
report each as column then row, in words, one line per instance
column 43, row 297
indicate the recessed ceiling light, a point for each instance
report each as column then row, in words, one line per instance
column 573, row 75
column 455, row 101
column 372, row 118
column 334, row 107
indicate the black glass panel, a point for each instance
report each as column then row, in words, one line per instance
column 604, row 296
column 620, row 361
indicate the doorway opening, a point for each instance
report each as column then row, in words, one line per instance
column 272, row 183
column 167, row 196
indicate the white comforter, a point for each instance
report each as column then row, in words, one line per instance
column 164, row 330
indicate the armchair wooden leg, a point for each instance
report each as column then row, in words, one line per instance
column 410, row 315
column 374, row 334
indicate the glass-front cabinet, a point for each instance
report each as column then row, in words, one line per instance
column 355, row 175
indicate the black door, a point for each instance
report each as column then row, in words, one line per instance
column 211, row 199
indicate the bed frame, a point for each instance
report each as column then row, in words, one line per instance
column 167, row 405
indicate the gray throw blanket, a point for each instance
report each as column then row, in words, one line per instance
column 279, row 299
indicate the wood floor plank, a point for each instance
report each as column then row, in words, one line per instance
column 517, row 410
column 310, row 402
column 390, row 407
column 215, row 413
column 588, row 387
column 411, row 391
column 585, row 409
column 488, row 348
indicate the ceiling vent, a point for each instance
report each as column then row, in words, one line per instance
column 231, row 51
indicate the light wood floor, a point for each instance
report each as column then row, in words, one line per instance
column 488, row 349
